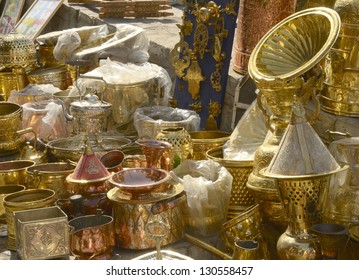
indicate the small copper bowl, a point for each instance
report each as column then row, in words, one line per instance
column 113, row 160
column 141, row 181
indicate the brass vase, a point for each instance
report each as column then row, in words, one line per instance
column 158, row 153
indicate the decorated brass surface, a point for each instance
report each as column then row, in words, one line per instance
column 284, row 64
column 42, row 233
column 340, row 94
column 201, row 58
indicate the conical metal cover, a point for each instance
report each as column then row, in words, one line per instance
column 89, row 167
column 301, row 151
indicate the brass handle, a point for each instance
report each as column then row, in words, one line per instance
column 28, row 130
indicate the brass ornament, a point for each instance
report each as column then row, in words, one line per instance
column 216, row 78
column 180, row 57
column 196, row 106
column 214, row 108
column 194, row 77
column 201, row 38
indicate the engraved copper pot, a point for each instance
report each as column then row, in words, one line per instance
column 92, row 237
column 132, row 216
column 250, row 30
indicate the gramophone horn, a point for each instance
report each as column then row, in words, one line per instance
column 295, row 45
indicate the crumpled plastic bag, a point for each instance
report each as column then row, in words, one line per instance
column 46, row 118
column 249, row 133
column 32, row 93
column 208, row 187
column 149, row 121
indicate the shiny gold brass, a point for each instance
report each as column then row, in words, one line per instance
column 340, row 94
column 14, row 172
column 24, row 200
column 41, row 233
column 204, row 140
column 240, row 198
column 286, row 63
column 57, row 76
column 194, row 77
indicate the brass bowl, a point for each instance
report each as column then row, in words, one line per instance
column 24, row 200
column 14, row 171
column 50, row 176
column 141, row 181
column 202, row 141
column 10, row 120
column 113, row 160
column 71, row 148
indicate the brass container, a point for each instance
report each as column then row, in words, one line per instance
column 46, row 54
column 50, row 176
column 4, row 191
column 41, row 233
column 204, row 140
column 14, row 172
column 24, row 200
column 10, row 121
column 281, row 72
column 92, row 237
column 240, row 198
column 306, row 4
column 8, row 82
column 245, row 226
column 126, row 98
column 340, row 93
column 180, row 139
column 57, row 76
column 250, row 30
column 132, row 217
column 113, row 160
column 158, row 154
column 17, row 51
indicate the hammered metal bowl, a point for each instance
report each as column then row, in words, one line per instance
column 202, row 141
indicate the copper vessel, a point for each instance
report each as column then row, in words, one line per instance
column 92, row 237
column 158, row 154
column 132, row 216
column 24, row 200
column 113, row 160
column 42, row 233
column 250, row 30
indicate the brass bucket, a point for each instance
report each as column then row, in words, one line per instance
column 240, row 198
column 50, row 176
column 24, row 200
column 202, row 141
column 57, row 76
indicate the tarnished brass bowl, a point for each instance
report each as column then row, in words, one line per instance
column 14, row 171
column 24, row 200
column 240, row 199
column 71, row 148
column 202, row 141
column 50, row 176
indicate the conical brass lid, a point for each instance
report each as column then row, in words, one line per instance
column 301, row 151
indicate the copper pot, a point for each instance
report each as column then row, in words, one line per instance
column 132, row 216
column 92, row 237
